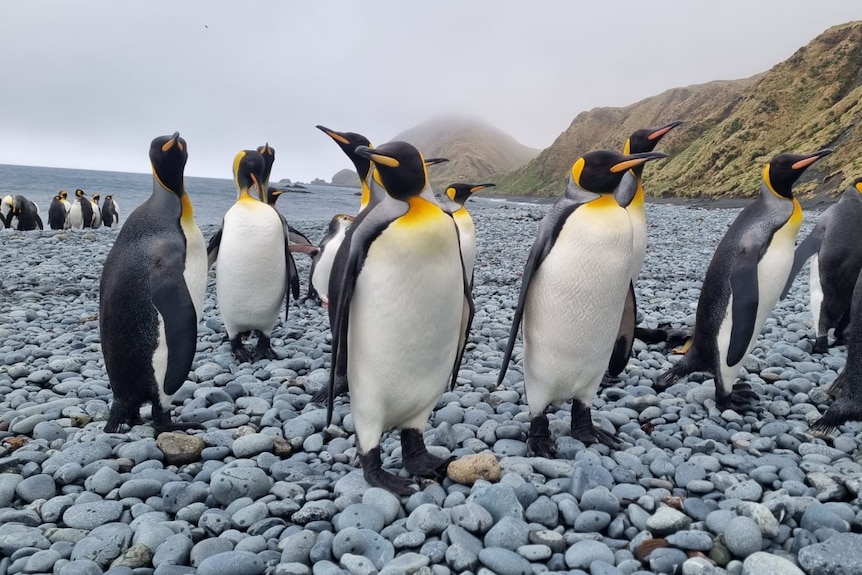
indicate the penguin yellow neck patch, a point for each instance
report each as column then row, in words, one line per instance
column 420, row 211
column 858, row 187
column 188, row 213
column 768, row 182
column 604, row 201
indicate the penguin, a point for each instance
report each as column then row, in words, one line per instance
column 97, row 212
column 459, row 194
column 401, row 293
column 23, row 214
column 68, row 205
column 847, row 388
column 253, row 261
column 572, row 294
column 743, row 281
column 81, row 212
column 57, row 214
column 630, row 195
column 321, row 261
column 835, row 249
column 7, row 205
column 110, row 212
column 151, row 295
column 27, row 213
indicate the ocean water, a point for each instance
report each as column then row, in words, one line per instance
column 211, row 197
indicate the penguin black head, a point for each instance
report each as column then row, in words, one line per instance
column 460, row 193
column 249, row 168
column 57, row 198
column 63, row 194
column 783, row 170
column 79, row 193
column 646, row 139
column 268, row 154
column 272, row 194
column 601, row 171
column 348, row 142
column 400, row 167
column 109, row 198
column 168, row 155
column 95, row 197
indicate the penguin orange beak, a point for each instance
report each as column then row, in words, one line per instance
column 170, row 143
column 636, row 160
column 432, row 161
column 377, row 158
column 337, row 136
column 475, row 189
column 660, row 132
column 810, row 159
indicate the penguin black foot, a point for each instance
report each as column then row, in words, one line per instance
column 837, row 386
column 650, row 336
column 122, row 414
column 239, row 351
column 539, row 443
column 417, row 460
column 678, row 339
column 162, row 422
column 264, row 348
column 821, row 345
column 741, row 399
column 372, row 470
column 584, row 430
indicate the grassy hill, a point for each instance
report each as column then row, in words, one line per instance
column 732, row 128
column 477, row 151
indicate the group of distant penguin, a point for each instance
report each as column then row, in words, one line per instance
column 397, row 280
column 21, row 213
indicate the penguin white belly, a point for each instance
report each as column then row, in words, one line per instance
column 816, row 292
column 772, row 273
column 76, row 216
column 323, row 267
column 250, row 269
column 160, row 363
column 97, row 215
column 405, row 317
column 467, row 234
column 67, row 224
column 639, row 238
column 574, row 302
column 195, row 272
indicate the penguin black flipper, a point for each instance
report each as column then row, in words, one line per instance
column 809, row 246
column 292, row 275
column 174, row 304
column 298, row 237
column 468, row 312
column 345, row 270
column 212, row 247
column 626, row 336
column 39, row 222
column 549, row 230
column 744, row 287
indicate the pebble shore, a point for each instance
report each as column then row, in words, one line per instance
column 267, row 489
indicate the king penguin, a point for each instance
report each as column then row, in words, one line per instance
column 743, row 281
column 23, row 214
column 372, row 192
column 110, row 212
column 835, row 249
column 572, row 294
column 151, row 294
column 64, row 195
column 630, row 195
column 57, row 213
column 7, row 206
column 401, row 292
column 253, row 260
column 324, row 256
column 459, row 194
column 97, row 211
column 81, row 212
column 847, row 387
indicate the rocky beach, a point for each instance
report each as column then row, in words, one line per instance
column 267, row 488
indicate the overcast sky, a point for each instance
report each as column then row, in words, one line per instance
column 88, row 84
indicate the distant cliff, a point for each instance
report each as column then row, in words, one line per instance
column 732, row 128
column 346, row 178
